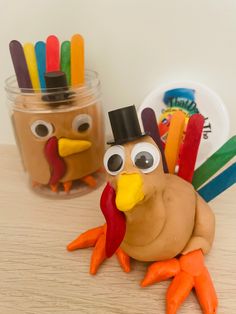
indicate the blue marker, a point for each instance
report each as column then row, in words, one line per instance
column 219, row 184
column 40, row 51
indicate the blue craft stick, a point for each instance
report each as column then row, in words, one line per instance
column 40, row 51
column 219, row 184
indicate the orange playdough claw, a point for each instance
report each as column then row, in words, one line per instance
column 86, row 239
column 192, row 263
column 123, row 259
column 54, row 187
column 97, row 237
column 160, row 271
column 67, row 186
column 206, row 292
column 35, row 184
column 99, row 254
column 189, row 272
column 90, row 181
column 178, row 291
column 193, row 274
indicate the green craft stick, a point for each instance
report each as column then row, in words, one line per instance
column 215, row 162
column 65, row 60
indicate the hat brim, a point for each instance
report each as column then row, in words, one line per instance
column 57, row 97
column 126, row 140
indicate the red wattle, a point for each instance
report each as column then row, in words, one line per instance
column 116, row 223
column 57, row 164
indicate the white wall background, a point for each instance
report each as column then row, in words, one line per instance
column 135, row 45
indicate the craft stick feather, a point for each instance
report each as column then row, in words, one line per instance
column 150, row 126
column 214, row 163
column 190, row 147
column 20, row 65
column 219, row 184
column 174, row 138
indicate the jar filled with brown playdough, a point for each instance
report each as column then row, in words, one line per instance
column 59, row 133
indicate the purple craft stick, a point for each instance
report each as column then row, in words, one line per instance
column 150, row 126
column 20, row 65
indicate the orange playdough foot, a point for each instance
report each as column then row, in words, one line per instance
column 96, row 238
column 188, row 272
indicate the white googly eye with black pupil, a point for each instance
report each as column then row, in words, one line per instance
column 144, row 160
column 145, row 156
column 41, row 128
column 114, row 159
column 82, row 123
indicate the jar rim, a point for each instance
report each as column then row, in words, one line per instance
column 56, row 99
column 91, row 81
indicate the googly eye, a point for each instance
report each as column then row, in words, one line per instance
column 41, row 129
column 114, row 159
column 145, row 156
column 82, row 123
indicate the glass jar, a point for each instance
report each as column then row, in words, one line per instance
column 60, row 135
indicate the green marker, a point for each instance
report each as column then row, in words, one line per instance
column 65, row 60
column 215, row 162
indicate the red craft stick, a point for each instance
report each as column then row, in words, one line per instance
column 190, row 147
column 52, row 54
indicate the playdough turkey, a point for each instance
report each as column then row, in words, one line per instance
column 152, row 216
column 62, row 140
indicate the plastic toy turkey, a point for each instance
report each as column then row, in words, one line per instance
column 153, row 214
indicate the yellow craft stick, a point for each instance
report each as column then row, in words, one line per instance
column 32, row 65
column 77, row 60
column 174, row 139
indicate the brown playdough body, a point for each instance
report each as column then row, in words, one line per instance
column 32, row 148
column 172, row 218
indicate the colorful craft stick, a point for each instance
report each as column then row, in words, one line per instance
column 52, row 54
column 220, row 158
column 20, row 65
column 65, row 60
column 150, row 126
column 77, row 60
column 32, row 65
column 219, row 184
column 40, row 52
column 174, row 138
column 190, row 147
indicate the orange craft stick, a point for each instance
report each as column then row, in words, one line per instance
column 99, row 254
column 123, row 259
column 86, row 239
column 77, row 60
column 174, row 139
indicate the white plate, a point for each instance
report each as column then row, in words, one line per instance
column 209, row 104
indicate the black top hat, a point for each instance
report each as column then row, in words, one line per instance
column 125, row 125
column 56, row 87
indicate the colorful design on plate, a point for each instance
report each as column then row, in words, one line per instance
column 180, row 99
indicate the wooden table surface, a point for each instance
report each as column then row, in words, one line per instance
column 38, row 275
